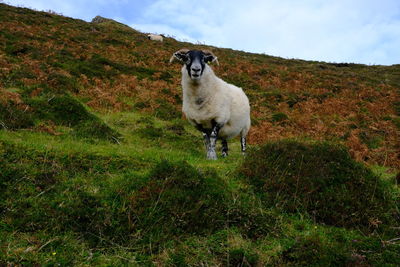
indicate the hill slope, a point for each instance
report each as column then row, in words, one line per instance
column 97, row 166
column 111, row 67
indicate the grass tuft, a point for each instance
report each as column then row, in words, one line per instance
column 242, row 257
column 322, row 180
column 177, row 198
column 12, row 117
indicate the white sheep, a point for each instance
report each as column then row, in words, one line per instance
column 155, row 37
column 216, row 108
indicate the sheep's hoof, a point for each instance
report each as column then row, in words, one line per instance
column 211, row 155
column 224, row 154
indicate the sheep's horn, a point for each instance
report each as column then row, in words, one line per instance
column 209, row 53
column 174, row 55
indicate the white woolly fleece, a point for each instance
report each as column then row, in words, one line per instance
column 211, row 98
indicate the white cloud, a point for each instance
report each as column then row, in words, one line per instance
column 340, row 31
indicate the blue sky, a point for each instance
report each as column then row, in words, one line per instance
column 357, row 31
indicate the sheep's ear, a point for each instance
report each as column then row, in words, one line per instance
column 180, row 55
column 209, row 57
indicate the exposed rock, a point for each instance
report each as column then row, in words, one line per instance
column 100, row 19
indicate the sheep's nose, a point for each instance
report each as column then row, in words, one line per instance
column 196, row 69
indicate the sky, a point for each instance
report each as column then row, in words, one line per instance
column 352, row 31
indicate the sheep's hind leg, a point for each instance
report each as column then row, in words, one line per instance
column 224, row 148
column 243, row 144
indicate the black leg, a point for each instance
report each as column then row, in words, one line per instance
column 211, row 154
column 210, row 138
column 243, row 144
column 206, row 135
column 224, row 148
column 206, row 139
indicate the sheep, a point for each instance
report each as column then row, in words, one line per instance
column 216, row 108
column 155, row 37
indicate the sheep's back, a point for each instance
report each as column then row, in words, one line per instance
column 239, row 120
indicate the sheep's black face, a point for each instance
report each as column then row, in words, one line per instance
column 195, row 62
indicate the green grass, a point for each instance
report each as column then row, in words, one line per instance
column 58, row 108
column 155, row 199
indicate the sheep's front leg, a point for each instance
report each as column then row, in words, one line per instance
column 206, row 135
column 211, row 154
column 206, row 140
column 210, row 139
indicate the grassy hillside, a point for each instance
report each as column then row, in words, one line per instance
column 98, row 167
